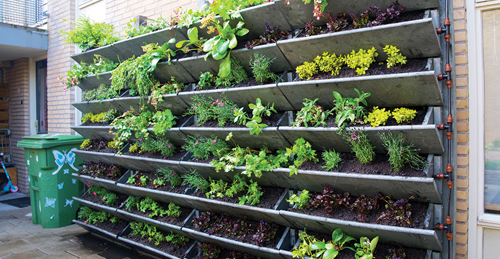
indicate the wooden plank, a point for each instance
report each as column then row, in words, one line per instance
column 4, row 116
column 4, row 105
column 4, row 125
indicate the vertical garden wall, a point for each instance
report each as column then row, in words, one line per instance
column 181, row 194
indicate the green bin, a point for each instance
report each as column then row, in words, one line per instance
column 51, row 161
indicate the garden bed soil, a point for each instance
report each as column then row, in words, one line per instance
column 381, row 250
column 350, row 164
column 268, row 199
column 271, row 121
column 96, row 199
column 404, row 17
column 412, row 65
column 176, row 157
column 251, row 225
column 115, row 228
column 224, row 253
column 165, row 219
column 166, row 188
column 418, row 210
column 165, row 247
column 104, row 176
column 251, row 82
column 205, row 161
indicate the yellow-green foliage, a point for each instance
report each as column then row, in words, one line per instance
column 307, row 70
column 134, row 148
column 377, row 117
column 86, row 143
column 87, row 117
column 330, row 63
column 361, row 60
column 403, row 114
column 114, row 144
column 393, row 56
column 98, row 117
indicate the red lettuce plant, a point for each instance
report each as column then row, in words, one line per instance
column 272, row 35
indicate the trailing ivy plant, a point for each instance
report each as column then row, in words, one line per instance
column 87, row 34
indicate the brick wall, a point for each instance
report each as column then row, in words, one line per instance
column 17, row 78
column 459, row 15
column 61, row 114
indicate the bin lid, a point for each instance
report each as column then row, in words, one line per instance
column 49, row 140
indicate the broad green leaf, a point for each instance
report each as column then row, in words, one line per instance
column 209, row 44
column 171, row 41
column 225, row 67
column 337, row 235
column 330, row 254
column 252, row 106
column 240, row 25
column 218, row 55
column 318, row 246
column 180, row 43
column 193, row 33
column 329, row 246
column 373, row 244
column 337, row 95
column 222, row 46
column 233, row 42
column 242, row 32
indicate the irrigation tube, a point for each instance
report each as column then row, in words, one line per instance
column 448, row 127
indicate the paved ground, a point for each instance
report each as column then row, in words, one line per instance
column 21, row 239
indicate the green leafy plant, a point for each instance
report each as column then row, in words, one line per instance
column 206, row 80
column 361, row 60
column 157, row 145
column 258, row 111
column 301, row 151
column 197, row 181
column 131, row 179
column 302, row 200
column 169, row 176
column 360, row 145
column 403, row 114
column 349, row 109
column 133, row 148
column 377, row 117
column 400, row 154
column 87, row 34
column 85, row 143
column 192, row 40
column 100, row 93
column 205, row 148
column 149, row 25
column 172, row 87
column 236, row 76
column 207, row 109
column 261, row 68
column 394, row 56
column 81, row 71
column 330, row 63
column 304, row 248
column 219, row 47
column 163, row 121
column 307, row 70
column 311, row 115
column 365, row 248
column 229, row 9
column 332, row 159
column 253, row 194
column 144, row 180
column 217, row 189
column 237, row 186
column 330, row 249
column 131, row 202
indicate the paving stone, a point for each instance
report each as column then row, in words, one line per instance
column 57, row 248
column 47, row 238
column 71, row 230
column 62, row 256
column 5, row 253
column 93, row 257
column 82, row 252
column 30, row 254
column 6, row 237
column 16, row 246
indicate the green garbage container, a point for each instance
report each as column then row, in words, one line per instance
column 51, row 161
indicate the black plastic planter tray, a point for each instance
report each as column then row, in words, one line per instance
column 92, row 82
column 299, row 14
column 242, row 96
column 411, row 237
column 390, row 90
column 107, row 158
column 262, row 252
column 424, row 189
column 269, row 137
column 151, row 250
column 94, row 229
column 161, row 225
column 96, row 132
column 424, row 41
column 124, row 49
column 425, row 137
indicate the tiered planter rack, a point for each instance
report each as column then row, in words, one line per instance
column 390, row 90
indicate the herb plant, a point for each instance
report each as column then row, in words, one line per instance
column 307, row 70
column 204, row 148
column 172, row 87
column 217, row 189
column 261, row 68
column 330, row 249
column 197, row 181
column 393, row 56
column 349, row 109
column 131, row 202
column 206, row 80
column 365, row 248
column 302, row 200
column 150, row 25
column 311, row 115
column 152, row 234
column 360, row 145
column 330, row 63
column 301, row 151
column 403, row 114
column 87, row 34
column 258, row 111
column 253, row 194
column 100, row 93
column 170, row 176
column 238, row 186
column 272, row 35
column 236, row 76
column 156, row 145
column 361, row 60
column 332, row 159
column 400, row 154
column 207, row 109
column 377, row 117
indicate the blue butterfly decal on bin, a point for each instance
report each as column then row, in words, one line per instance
column 50, row 202
column 60, row 186
column 61, row 159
